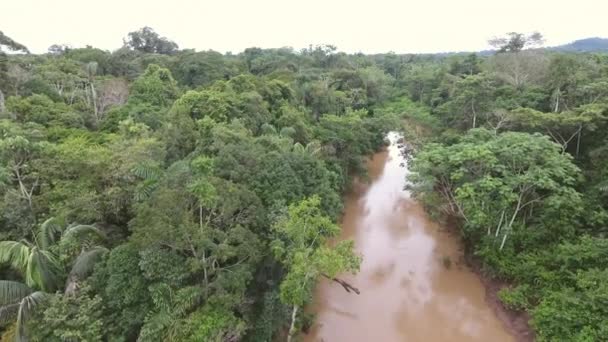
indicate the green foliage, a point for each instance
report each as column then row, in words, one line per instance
column 123, row 289
column 273, row 316
column 211, row 174
column 69, row 318
column 302, row 247
column 203, row 68
column 155, row 86
column 211, row 324
column 526, row 190
column 516, row 298
column 146, row 40
column 37, row 108
column 575, row 313
column 491, row 182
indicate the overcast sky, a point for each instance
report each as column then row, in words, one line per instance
column 368, row 26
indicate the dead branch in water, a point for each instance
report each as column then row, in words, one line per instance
column 348, row 287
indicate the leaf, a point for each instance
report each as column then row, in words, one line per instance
column 12, row 292
column 49, row 230
column 42, row 269
column 83, row 266
column 147, row 172
column 14, row 253
column 26, row 308
column 81, row 230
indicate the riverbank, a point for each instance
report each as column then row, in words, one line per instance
column 515, row 322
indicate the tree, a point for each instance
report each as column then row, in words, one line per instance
column 302, row 246
column 196, row 69
column 19, row 149
column 469, row 65
column 113, row 92
column 495, row 181
column 472, row 100
column 59, row 49
column 573, row 313
column 515, row 41
column 565, row 126
column 155, row 86
column 18, row 300
column 69, row 318
column 41, row 263
column 11, row 44
column 146, row 40
column 521, row 69
column 124, row 290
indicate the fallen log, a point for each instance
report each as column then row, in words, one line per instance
column 348, row 287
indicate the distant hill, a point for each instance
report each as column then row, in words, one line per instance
column 594, row 44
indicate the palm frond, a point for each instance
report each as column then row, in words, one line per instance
column 14, row 253
column 147, row 172
column 42, row 269
column 26, row 309
column 186, row 299
column 81, row 231
column 49, row 231
column 314, row 147
column 144, row 190
column 12, row 292
column 299, row 148
column 83, row 266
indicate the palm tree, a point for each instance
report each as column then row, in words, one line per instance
column 40, row 265
column 18, row 300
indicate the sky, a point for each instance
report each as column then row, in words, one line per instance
column 370, row 26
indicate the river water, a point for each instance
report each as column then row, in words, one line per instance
column 409, row 289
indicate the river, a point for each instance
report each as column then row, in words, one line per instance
column 414, row 285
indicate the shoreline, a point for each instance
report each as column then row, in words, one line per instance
column 516, row 322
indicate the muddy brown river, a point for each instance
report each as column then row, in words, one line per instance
column 408, row 290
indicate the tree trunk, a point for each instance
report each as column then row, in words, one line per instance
column 502, row 216
column 556, row 101
column 2, row 108
column 292, row 327
column 578, row 139
column 348, row 287
column 94, row 100
column 508, row 227
column 474, row 113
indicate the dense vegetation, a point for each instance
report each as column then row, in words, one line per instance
column 153, row 193
column 518, row 156
column 158, row 194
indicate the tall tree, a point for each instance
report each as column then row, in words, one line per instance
column 11, row 44
column 515, row 41
column 42, row 263
column 302, row 246
column 147, row 40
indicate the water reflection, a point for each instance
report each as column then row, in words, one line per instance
column 407, row 294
